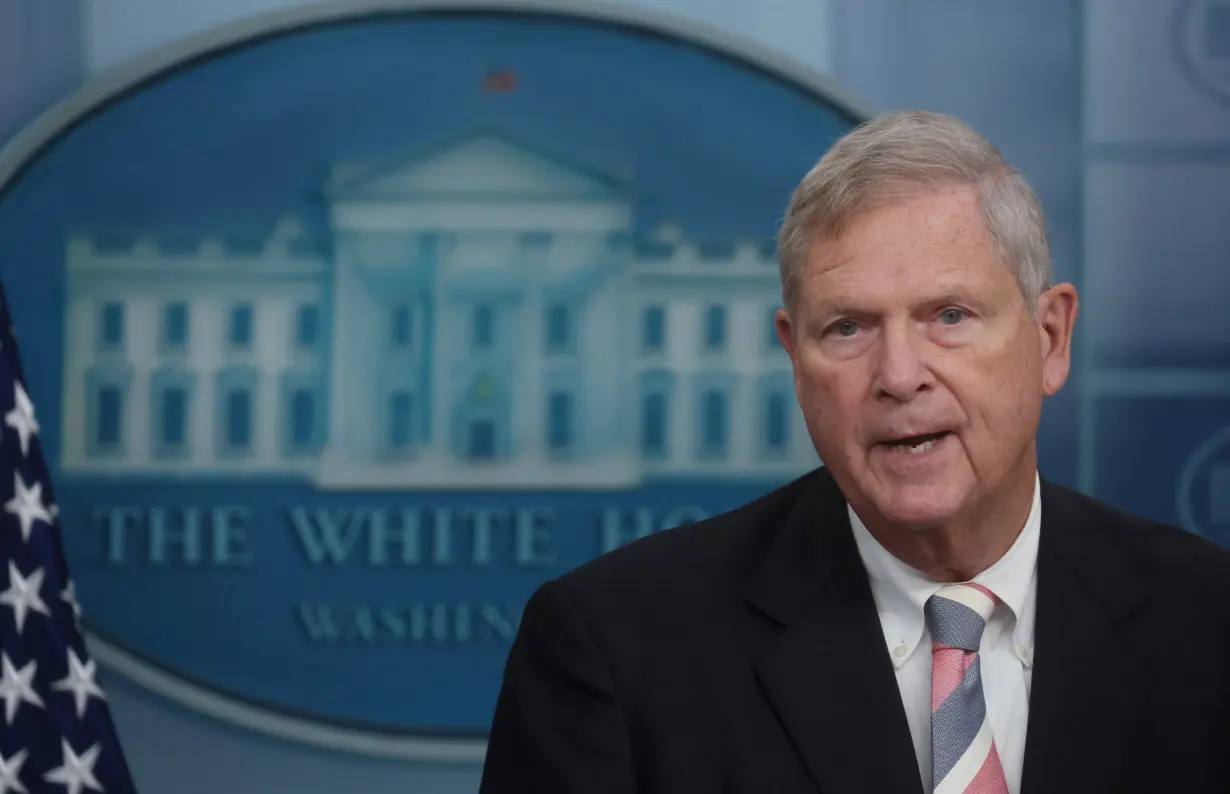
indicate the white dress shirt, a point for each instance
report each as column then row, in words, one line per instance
column 1006, row 652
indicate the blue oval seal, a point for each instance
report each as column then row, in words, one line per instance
column 348, row 327
column 1201, row 35
column 1204, row 488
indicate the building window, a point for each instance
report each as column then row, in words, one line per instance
column 307, row 327
column 776, row 421
column 715, row 328
column 714, row 411
column 302, row 418
column 653, row 329
column 654, row 419
column 174, row 424
column 559, row 329
column 175, row 326
column 401, row 419
column 484, row 416
column 170, row 399
column 483, row 322
column 111, row 334
column 482, row 440
column 238, row 419
column 402, row 331
column 559, row 421
column 302, row 421
column 109, row 426
column 234, row 410
column 106, row 407
column 240, row 332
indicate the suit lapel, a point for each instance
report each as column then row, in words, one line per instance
column 828, row 674
column 1086, row 666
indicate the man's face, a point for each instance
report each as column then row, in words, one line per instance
column 918, row 367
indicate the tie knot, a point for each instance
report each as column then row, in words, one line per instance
column 957, row 614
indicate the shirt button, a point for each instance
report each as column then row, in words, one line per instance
column 899, row 651
column 1023, row 652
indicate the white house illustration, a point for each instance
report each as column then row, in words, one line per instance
column 481, row 316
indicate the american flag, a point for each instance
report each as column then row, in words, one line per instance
column 56, row 734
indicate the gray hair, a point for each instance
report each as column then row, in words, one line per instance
column 902, row 154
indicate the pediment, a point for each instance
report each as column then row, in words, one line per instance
column 483, row 165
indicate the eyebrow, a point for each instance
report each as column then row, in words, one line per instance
column 840, row 304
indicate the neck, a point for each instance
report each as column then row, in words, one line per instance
column 960, row 549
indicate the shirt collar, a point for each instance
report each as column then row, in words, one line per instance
column 901, row 591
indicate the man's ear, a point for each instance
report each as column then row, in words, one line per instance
column 785, row 330
column 1056, row 312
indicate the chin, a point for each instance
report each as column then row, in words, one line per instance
column 918, row 506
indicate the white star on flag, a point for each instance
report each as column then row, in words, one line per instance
column 21, row 418
column 16, row 686
column 79, row 681
column 27, row 505
column 76, row 771
column 10, row 773
column 23, row 595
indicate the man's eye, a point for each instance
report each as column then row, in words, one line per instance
column 951, row 316
column 846, row 328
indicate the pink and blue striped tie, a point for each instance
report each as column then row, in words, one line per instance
column 963, row 755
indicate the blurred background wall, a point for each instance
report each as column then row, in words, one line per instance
column 1118, row 111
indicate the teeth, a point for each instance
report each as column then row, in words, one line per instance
column 915, row 448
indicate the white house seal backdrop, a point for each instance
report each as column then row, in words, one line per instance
column 348, row 333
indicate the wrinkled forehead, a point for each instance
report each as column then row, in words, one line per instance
column 930, row 244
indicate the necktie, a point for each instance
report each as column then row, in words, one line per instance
column 963, row 755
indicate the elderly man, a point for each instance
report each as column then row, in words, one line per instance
column 924, row 613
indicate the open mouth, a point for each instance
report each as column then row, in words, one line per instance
column 917, row 444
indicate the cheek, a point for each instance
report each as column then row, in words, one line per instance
column 830, row 401
column 1002, row 398
column 808, row 376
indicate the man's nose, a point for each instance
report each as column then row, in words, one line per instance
column 902, row 369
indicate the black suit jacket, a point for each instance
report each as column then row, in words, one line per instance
column 744, row 654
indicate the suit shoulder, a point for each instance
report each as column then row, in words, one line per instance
column 709, row 551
